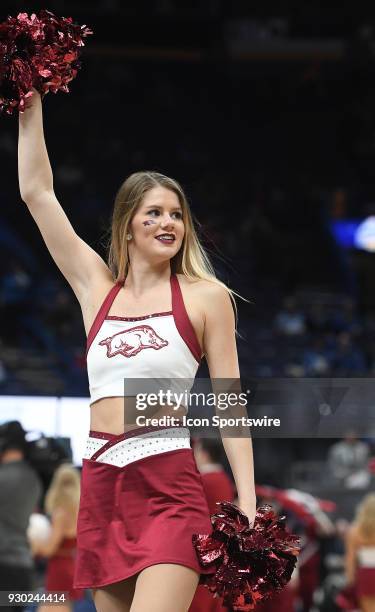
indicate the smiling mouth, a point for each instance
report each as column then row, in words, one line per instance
column 166, row 238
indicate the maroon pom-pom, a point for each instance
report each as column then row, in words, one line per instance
column 40, row 51
column 249, row 563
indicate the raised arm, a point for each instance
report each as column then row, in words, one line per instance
column 77, row 261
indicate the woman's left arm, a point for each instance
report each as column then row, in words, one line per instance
column 219, row 344
column 350, row 554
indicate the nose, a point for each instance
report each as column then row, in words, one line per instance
column 167, row 220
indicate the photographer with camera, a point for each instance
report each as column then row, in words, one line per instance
column 20, row 492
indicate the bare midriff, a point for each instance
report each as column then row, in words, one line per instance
column 116, row 415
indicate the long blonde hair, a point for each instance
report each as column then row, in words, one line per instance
column 365, row 516
column 191, row 260
column 64, row 490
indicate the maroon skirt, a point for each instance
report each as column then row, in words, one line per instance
column 60, row 574
column 365, row 582
column 140, row 514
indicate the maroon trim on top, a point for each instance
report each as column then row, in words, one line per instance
column 142, row 318
column 182, row 321
column 101, row 435
column 102, row 313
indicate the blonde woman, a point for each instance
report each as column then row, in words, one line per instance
column 360, row 554
column 61, row 504
column 151, row 312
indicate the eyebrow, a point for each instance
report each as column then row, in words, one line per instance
column 157, row 206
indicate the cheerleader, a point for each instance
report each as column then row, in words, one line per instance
column 61, row 504
column 152, row 311
column 360, row 554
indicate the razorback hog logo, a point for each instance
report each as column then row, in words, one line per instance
column 133, row 341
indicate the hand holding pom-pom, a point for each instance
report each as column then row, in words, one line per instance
column 38, row 51
column 249, row 563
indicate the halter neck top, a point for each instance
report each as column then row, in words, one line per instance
column 161, row 345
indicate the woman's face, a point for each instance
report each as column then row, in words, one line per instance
column 157, row 227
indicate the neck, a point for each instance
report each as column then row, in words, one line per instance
column 142, row 276
column 12, row 455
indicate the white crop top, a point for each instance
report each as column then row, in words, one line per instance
column 159, row 345
column 366, row 556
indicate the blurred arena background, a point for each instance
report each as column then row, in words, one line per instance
column 265, row 114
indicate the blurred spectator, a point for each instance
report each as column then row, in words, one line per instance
column 62, row 502
column 14, row 283
column 290, row 321
column 216, row 482
column 60, row 315
column 348, row 359
column 360, row 555
column 317, row 318
column 345, row 319
column 348, row 461
column 14, row 296
column 315, row 359
column 3, row 371
column 20, row 492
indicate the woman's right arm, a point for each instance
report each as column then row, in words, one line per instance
column 77, row 261
column 350, row 554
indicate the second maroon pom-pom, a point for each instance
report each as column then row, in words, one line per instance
column 249, row 563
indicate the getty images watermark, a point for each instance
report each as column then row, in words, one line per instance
column 175, row 401
column 257, row 407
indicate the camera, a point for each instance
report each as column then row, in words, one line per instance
column 44, row 454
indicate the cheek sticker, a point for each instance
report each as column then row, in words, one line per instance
column 149, row 222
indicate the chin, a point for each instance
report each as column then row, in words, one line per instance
column 167, row 252
column 162, row 257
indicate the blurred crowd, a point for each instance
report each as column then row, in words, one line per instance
column 263, row 213
column 335, row 568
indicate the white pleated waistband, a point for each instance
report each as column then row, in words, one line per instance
column 128, row 450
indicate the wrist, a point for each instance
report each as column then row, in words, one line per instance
column 248, row 500
column 248, row 506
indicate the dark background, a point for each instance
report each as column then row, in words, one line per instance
column 266, row 117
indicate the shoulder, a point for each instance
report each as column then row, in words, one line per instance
column 60, row 516
column 204, row 288
column 210, row 302
column 353, row 534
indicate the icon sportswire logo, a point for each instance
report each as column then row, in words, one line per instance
column 132, row 341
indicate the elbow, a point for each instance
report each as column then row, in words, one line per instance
column 24, row 196
column 29, row 196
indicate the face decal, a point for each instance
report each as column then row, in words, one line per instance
column 149, row 222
